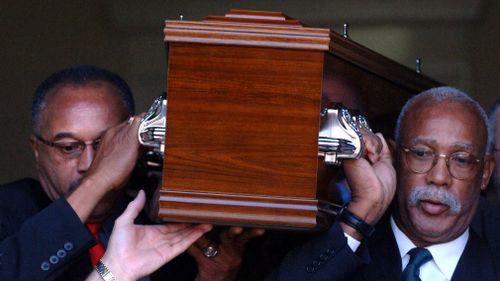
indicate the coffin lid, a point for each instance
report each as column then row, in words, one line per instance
column 277, row 30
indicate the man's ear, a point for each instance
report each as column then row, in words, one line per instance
column 35, row 146
column 489, row 165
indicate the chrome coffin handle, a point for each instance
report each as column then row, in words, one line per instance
column 153, row 127
column 339, row 135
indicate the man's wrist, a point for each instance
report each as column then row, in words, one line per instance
column 83, row 204
column 104, row 271
column 348, row 218
column 96, row 183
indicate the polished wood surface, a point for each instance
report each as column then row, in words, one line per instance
column 245, row 121
column 244, row 96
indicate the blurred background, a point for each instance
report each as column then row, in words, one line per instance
column 457, row 40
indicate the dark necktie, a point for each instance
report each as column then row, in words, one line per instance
column 418, row 256
column 97, row 251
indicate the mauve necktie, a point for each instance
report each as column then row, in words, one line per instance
column 418, row 256
column 97, row 251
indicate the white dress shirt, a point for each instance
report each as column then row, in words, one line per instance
column 445, row 256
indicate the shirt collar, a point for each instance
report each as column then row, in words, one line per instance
column 445, row 255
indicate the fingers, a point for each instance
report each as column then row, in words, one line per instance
column 133, row 209
column 127, row 128
column 231, row 233
column 255, row 232
column 187, row 236
column 134, row 123
column 195, row 250
column 374, row 145
column 385, row 152
column 239, row 235
column 178, row 228
column 232, row 244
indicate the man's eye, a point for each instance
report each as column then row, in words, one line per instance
column 69, row 147
column 421, row 153
column 462, row 160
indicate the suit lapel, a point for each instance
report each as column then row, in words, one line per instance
column 476, row 262
column 386, row 261
column 486, row 224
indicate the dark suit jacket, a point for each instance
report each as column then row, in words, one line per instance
column 45, row 240
column 40, row 239
column 328, row 257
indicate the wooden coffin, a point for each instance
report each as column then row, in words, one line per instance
column 245, row 91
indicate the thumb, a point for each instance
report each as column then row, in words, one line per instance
column 133, row 209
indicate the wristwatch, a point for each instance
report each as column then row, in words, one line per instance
column 103, row 270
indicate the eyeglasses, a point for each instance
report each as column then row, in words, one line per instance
column 461, row 165
column 70, row 149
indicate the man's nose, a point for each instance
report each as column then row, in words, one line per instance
column 439, row 175
column 86, row 159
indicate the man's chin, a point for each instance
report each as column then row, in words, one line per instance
column 434, row 228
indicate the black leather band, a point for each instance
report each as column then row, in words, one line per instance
column 355, row 222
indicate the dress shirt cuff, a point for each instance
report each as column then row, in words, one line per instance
column 352, row 242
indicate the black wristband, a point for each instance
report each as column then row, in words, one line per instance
column 355, row 222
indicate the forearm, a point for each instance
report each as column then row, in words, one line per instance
column 110, row 170
column 88, row 194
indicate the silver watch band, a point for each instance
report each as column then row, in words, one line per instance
column 103, row 270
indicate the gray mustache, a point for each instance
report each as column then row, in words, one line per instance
column 432, row 192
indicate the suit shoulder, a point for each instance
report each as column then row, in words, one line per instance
column 486, row 223
column 19, row 187
column 21, row 193
column 489, row 210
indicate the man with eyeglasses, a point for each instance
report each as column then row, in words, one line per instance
column 437, row 227
column 42, row 230
column 85, row 151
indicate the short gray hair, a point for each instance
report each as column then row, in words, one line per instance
column 440, row 94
